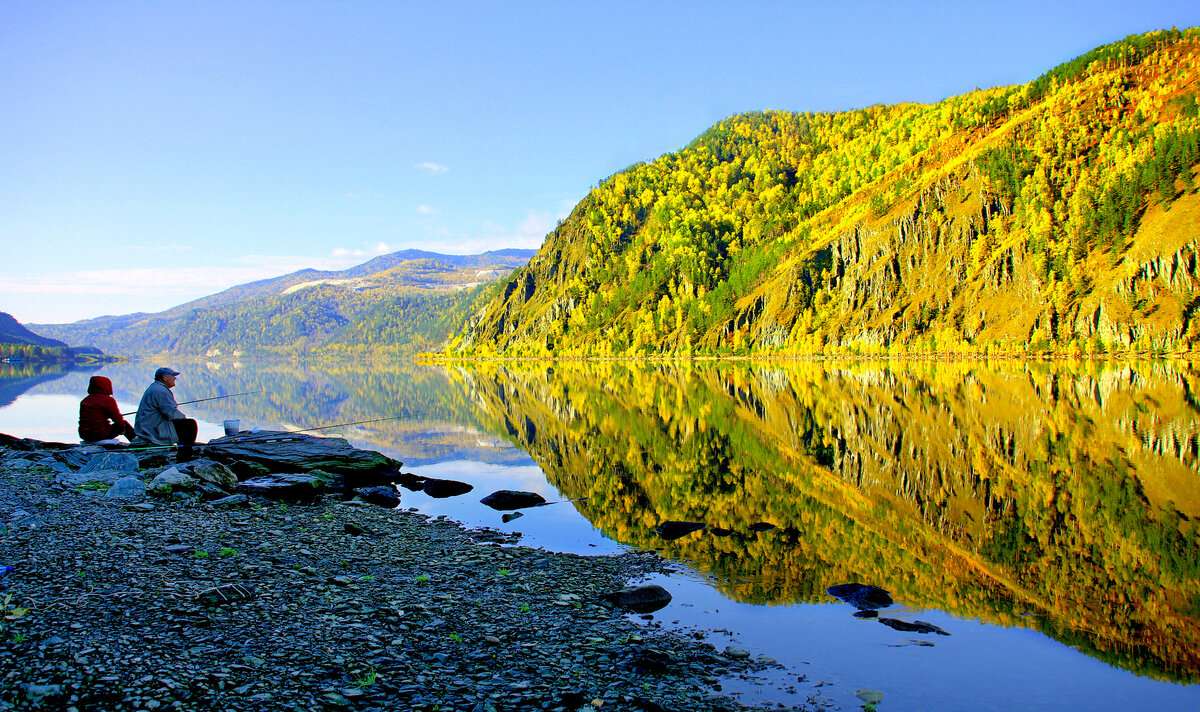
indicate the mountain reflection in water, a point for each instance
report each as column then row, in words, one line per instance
column 1059, row 497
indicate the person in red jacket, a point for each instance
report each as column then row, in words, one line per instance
column 99, row 416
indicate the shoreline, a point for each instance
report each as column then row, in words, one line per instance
column 342, row 605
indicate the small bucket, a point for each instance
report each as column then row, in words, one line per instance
column 233, row 427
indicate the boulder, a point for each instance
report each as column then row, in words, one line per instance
column 106, row 461
column 78, row 479
column 281, row 452
column 233, row 500
column 512, row 499
column 440, row 489
column 127, row 488
column 674, row 530
column 381, row 496
column 171, row 480
column 287, row 485
column 640, row 599
column 213, row 472
column 861, row 596
column 913, row 627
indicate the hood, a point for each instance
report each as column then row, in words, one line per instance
column 100, row 385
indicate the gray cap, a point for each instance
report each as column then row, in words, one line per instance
column 164, row 371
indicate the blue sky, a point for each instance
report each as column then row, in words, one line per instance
column 152, row 153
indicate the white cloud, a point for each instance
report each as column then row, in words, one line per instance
column 433, row 168
column 59, row 297
column 426, row 210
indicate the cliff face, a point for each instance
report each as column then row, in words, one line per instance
column 1058, row 216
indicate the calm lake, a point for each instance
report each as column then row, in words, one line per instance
column 1045, row 515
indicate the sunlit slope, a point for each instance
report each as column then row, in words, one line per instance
column 1060, row 215
column 1059, row 500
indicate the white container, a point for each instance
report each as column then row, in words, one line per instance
column 233, row 427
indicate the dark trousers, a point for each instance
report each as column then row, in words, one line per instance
column 186, row 429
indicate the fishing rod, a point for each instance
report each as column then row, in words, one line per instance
column 268, row 436
column 201, row 400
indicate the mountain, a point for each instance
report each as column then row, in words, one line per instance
column 1057, row 216
column 403, row 302
column 11, row 332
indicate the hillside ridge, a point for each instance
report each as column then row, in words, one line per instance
column 1058, row 216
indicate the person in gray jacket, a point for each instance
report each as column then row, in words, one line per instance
column 159, row 420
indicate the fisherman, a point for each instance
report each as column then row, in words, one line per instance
column 99, row 416
column 159, row 420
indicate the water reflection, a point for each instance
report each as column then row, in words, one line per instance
column 1058, row 497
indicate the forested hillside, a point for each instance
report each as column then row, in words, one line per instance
column 401, row 303
column 1056, row 216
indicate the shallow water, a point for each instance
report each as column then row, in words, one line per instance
column 1046, row 515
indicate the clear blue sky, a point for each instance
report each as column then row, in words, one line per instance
column 152, row 153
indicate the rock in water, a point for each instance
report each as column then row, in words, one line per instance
column 674, row 530
column 506, row 518
column 640, row 599
column 512, row 499
column 762, row 527
column 914, row 627
column 292, row 485
column 440, row 489
column 382, row 496
column 229, row 593
column 861, row 596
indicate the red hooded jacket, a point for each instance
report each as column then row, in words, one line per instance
column 99, row 416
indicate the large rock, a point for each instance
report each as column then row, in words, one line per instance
column 171, row 480
column 287, row 485
column 861, row 596
column 440, row 489
column 640, row 599
column 127, row 488
column 512, row 499
column 120, row 461
column 213, row 472
column 82, row 479
column 280, row 452
column 380, row 496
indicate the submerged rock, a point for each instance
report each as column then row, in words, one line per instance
column 762, row 527
column 440, row 489
column 861, row 596
column 640, row 599
column 674, row 530
column 380, row 496
column 512, row 499
column 914, row 627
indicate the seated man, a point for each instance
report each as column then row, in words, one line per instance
column 99, row 416
column 159, row 420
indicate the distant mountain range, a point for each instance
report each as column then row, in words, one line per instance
column 402, row 302
column 1058, row 216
